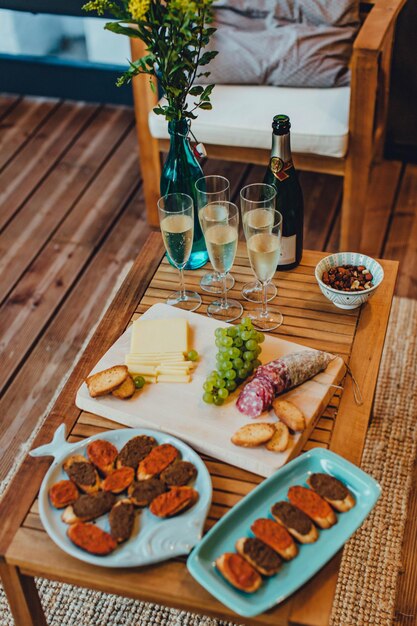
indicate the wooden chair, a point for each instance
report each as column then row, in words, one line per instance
column 370, row 80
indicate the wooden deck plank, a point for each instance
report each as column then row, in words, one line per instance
column 402, row 239
column 29, row 393
column 7, row 102
column 25, row 236
column 19, row 125
column 22, row 176
column 27, row 310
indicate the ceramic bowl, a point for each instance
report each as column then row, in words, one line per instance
column 349, row 299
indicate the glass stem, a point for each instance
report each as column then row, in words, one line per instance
column 224, row 295
column 182, row 286
column 264, row 312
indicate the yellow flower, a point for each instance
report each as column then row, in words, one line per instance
column 96, row 5
column 139, row 8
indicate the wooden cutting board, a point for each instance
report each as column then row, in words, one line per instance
column 178, row 409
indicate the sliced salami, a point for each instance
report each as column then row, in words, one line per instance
column 250, row 402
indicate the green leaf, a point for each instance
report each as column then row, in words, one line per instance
column 206, row 106
column 116, row 27
column 207, row 57
column 196, row 91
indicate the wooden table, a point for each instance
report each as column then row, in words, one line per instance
column 310, row 319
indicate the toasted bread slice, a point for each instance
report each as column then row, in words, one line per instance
column 252, row 435
column 265, row 560
column 82, row 473
column 91, row 538
column 280, row 438
column 126, row 389
column 289, row 414
column 142, row 493
column 157, row 461
column 119, row 480
column 102, row 454
column 298, row 524
column 275, row 536
column 313, row 505
column 333, row 491
column 108, row 380
column 174, row 501
column 88, row 507
column 238, row 572
column 122, row 518
column 63, row 493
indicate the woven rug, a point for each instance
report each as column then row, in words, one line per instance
column 366, row 586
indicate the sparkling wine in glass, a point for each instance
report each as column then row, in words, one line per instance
column 176, row 218
column 264, row 250
column 210, row 190
column 257, row 203
column 220, row 225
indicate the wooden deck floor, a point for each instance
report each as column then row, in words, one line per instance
column 72, row 216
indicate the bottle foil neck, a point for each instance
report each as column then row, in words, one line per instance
column 281, row 147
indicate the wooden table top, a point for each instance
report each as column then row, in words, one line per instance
column 309, row 319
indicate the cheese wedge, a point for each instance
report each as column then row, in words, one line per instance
column 159, row 336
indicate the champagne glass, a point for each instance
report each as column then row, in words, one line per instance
column 256, row 202
column 176, row 217
column 220, row 225
column 213, row 189
column 264, row 250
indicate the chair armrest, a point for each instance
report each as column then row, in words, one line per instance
column 377, row 26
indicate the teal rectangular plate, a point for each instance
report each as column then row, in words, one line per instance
column 311, row 557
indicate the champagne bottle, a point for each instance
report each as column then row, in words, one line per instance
column 283, row 176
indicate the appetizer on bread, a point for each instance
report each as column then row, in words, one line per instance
column 333, row 491
column 179, row 474
column 91, row 538
column 143, row 492
column 63, row 493
column 119, row 480
column 82, row 473
column 157, row 461
column 238, row 572
column 276, row 537
column 174, row 501
column 313, row 505
column 298, row 524
column 88, row 507
column 134, row 451
column 265, row 560
column 122, row 518
column 102, row 454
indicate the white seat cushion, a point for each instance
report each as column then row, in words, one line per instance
column 242, row 116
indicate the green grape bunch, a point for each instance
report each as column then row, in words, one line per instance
column 236, row 359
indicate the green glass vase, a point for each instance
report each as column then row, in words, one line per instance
column 179, row 175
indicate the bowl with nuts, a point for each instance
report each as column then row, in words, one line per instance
column 348, row 279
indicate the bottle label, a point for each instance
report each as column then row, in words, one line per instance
column 288, row 250
column 279, row 167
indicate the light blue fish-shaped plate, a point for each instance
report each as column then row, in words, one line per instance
column 311, row 557
column 153, row 539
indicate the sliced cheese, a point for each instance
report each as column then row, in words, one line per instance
column 143, row 359
column 159, row 336
column 172, row 370
column 171, row 378
column 141, row 368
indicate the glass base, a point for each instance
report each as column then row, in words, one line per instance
column 232, row 311
column 253, row 291
column 189, row 300
column 212, row 282
column 265, row 322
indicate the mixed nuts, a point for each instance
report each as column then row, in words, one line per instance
column 348, row 278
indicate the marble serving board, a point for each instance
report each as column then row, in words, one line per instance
column 178, row 408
